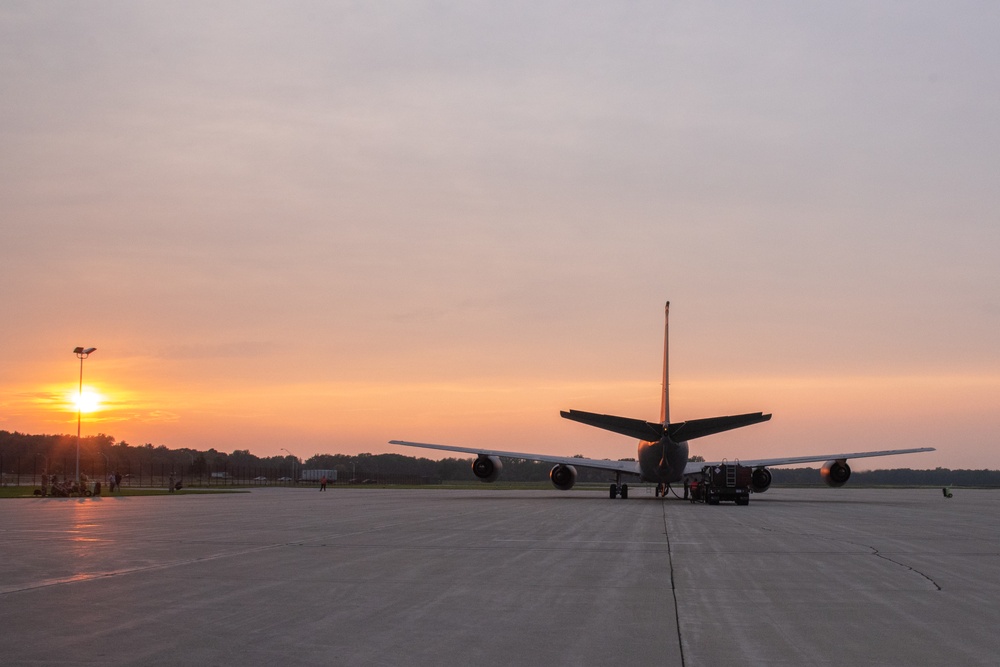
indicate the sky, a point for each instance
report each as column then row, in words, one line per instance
column 319, row 226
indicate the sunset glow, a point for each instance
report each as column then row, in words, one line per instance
column 87, row 402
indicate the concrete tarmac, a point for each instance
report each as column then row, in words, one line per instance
column 361, row 576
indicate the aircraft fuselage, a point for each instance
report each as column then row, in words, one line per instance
column 662, row 461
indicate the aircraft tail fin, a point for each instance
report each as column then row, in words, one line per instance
column 653, row 432
column 665, row 395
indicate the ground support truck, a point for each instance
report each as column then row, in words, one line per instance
column 724, row 481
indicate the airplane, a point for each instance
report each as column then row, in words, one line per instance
column 663, row 448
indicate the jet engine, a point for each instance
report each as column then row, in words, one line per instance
column 563, row 476
column 835, row 473
column 487, row 468
column 760, row 480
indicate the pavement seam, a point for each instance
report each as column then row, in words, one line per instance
column 876, row 552
column 673, row 586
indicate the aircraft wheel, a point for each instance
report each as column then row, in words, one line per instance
column 614, row 491
column 624, row 491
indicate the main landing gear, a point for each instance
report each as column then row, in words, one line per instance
column 618, row 489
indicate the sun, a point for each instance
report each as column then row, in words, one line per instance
column 88, row 401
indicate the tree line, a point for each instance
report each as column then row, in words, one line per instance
column 32, row 455
column 27, row 455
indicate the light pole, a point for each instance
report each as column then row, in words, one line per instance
column 294, row 461
column 81, row 354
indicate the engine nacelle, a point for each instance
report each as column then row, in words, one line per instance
column 760, row 480
column 835, row 473
column 563, row 476
column 487, row 468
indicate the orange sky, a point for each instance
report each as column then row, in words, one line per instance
column 320, row 230
column 822, row 414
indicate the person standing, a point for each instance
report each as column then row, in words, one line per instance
column 322, row 483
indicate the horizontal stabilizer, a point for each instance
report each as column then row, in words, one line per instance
column 699, row 428
column 634, row 428
column 652, row 432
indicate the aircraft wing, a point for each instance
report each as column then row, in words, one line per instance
column 696, row 467
column 631, row 467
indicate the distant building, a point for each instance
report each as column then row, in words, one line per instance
column 317, row 474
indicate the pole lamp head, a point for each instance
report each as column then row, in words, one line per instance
column 84, row 352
